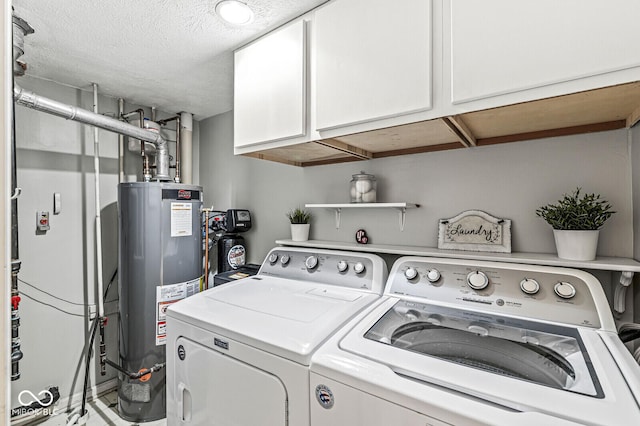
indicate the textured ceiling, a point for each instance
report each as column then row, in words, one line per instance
column 175, row 55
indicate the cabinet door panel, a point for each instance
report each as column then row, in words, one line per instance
column 270, row 87
column 373, row 60
column 505, row 46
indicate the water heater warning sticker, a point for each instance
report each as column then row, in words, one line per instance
column 181, row 219
column 166, row 295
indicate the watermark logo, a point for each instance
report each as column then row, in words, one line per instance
column 32, row 404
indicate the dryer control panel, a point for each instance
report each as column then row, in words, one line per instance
column 554, row 294
column 340, row 268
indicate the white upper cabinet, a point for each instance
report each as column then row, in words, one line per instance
column 372, row 60
column 270, row 86
column 501, row 47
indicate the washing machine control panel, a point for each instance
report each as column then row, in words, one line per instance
column 346, row 269
column 538, row 292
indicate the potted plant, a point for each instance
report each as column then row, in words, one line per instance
column 300, row 222
column 576, row 222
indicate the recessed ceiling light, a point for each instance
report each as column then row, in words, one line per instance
column 234, row 12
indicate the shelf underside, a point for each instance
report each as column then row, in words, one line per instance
column 597, row 110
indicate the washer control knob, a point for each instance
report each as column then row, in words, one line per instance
column 478, row 329
column 434, row 319
column 311, row 262
column 433, row 275
column 565, row 290
column 343, row 265
column 411, row 273
column 529, row 286
column 273, row 258
column 477, row 280
column 359, row 268
column 285, row 259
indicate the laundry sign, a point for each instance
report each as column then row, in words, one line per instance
column 475, row 230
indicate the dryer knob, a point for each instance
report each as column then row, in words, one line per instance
column 285, row 259
column 311, row 262
column 433, row 275
column 273, row 258
column 529, row 286
column 359, row 268
column 565, row 290
column 411, row 273
column 342, row 266
column 477, row 280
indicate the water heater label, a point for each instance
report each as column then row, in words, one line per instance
column 181, row 219
column 166, row 295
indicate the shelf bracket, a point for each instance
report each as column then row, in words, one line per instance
column 338, row 211
column 619, row 298
column 402, row 213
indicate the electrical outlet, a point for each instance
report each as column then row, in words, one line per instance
column 42, row 221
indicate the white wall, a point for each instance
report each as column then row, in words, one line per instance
column 56, row 155
column 5, row 215
column 508, row 181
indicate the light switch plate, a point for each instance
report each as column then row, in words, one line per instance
column 56, row 203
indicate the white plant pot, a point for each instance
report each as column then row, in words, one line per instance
column 576, row 245
column 300, row 231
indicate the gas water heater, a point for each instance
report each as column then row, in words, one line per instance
column 159, row 263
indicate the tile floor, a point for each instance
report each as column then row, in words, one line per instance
column 102, row 412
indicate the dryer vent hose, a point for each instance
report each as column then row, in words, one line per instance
column 629, row 332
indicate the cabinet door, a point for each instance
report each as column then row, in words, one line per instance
column 373, row 60
column 505, row 46
column 270, row 87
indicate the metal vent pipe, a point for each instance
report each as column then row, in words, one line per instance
column 40, row 103
column 20, row 30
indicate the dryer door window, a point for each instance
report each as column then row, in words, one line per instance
column 541, row 353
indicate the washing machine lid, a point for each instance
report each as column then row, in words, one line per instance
column 600, row 393
column 541, row 353
column 288, row 318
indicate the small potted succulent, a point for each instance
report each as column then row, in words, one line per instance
column 576, row 222
column 300, row 223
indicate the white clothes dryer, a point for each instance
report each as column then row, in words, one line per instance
column 462, row 342
column 239, row 354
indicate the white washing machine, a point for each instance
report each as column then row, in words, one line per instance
column 460, row 342
column 239, row 354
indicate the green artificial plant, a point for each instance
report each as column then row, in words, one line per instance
column 299, row 216
column 577, row 213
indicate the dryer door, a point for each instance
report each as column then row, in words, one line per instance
column 216, row 389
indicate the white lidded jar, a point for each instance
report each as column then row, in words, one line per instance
column 363, row 188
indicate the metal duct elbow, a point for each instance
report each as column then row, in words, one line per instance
column 20, row 29
column 40, row 103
